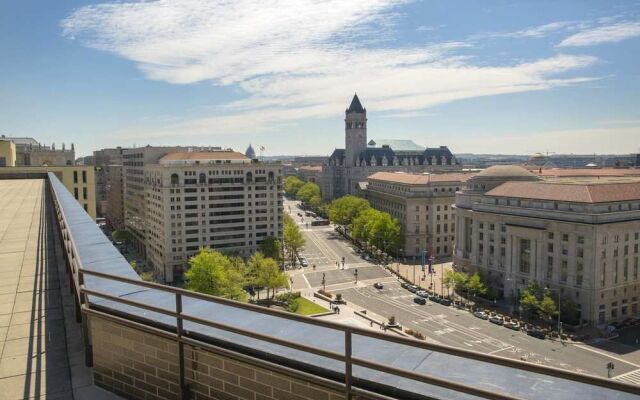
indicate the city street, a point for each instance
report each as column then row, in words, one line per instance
column 440, row 324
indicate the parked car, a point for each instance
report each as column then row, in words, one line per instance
column 433, row 298
column 422, row 293
column 514, row 325
column 404, row 285
column 419, row 300
column 481, row 315
column 378, row 285
column 496, row 319
column 536, row 333
column 412, row 288
column 303, row 261
column 445, row 302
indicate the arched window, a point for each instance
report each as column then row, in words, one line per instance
column 249, row 177
column 270, row 175
column 174, row 179
column 203, row 178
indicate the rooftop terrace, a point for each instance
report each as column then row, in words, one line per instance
column 148, row 341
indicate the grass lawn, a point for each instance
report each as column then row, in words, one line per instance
column 308, row 307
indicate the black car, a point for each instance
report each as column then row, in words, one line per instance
column 419, row 300
column 536, row 333
column 433, row 298
column 404, row 285
column 445, row 302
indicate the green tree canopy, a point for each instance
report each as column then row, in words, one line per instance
column 271, row 247
column 547, row 307
column 293, row 238
column 268, row 274
column 475, row 285
column 377, row 228
column 121, row 235
column 344, row 210
column 309, row 193
column 292, row 184
column 529, row 302
column 214, row 273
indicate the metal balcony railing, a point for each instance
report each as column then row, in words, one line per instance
column 88, row 285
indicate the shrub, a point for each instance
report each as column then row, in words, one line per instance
column 325, row 293
column 409, row 332
column 418, row 335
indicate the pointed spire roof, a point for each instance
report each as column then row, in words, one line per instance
column 356, row 106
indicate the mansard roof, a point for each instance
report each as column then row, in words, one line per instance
column 338, row 154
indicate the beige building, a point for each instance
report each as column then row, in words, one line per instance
column 579, row 237
column 134, row 161
column 7, row 153
column 423, row 204
column 79, row 180
column 220, row 199
column 29, row 152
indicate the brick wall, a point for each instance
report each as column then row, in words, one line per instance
column 139, row 365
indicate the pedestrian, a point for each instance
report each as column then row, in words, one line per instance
column 338, row 310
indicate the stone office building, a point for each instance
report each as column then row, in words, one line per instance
column 423, row 205
column 577, row 237
column 347, row 167
column 221, row 200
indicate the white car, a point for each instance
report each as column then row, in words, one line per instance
column 481, row 315
column 422, row 293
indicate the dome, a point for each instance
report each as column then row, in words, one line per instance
column 506, row 171
column 250, row 152
column 496, row 175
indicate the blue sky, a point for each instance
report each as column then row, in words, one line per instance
column 478, row 76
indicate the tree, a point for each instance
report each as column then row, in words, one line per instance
column 475, row 285
column 448, row 280
column 344, row 210
column 529, row 302
column 121, row 236
column 268, row 273
column 308, row 193
column 293, row 238
column 292, row 184
column 385, row 231
column 547, row 307
column 270, row 247
column 213, row 273
column 363, row 224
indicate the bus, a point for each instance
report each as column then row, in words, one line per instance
column 318, row 222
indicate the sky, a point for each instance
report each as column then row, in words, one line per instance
column 491, row 76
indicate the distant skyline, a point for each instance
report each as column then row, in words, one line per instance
column 497, row 76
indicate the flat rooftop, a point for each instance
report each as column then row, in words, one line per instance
column 33, row 350
column 35, row 357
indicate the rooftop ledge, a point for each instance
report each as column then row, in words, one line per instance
column 361, row 360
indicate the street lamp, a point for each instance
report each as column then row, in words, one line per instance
column 559, row 322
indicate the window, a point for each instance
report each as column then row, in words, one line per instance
column 565, row 237
column 84, row 177
column 75, row 177
column 525, row 255
column 580, row 252
column 75, row 193
column 84, row 193
column 550, row 247
column 563, row 271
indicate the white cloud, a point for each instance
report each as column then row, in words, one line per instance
column 299, row 59
column 603, row 34
column 538, row 31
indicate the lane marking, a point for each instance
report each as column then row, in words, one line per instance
column 606, row 355
column 497, row 351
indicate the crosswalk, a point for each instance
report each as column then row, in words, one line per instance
column 630, row 377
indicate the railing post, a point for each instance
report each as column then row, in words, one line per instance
column 347, row 363
column 184, row 389
column 86, row 336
